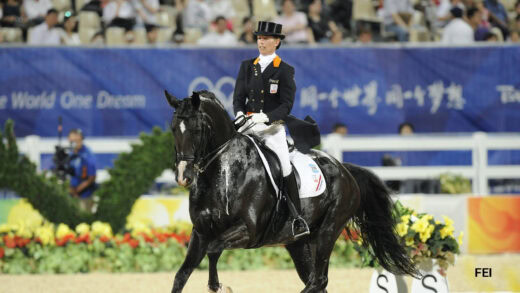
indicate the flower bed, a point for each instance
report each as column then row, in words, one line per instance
column 46, row 248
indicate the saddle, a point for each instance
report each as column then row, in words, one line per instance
column 303, row 166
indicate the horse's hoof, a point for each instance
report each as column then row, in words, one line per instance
column 221, row 289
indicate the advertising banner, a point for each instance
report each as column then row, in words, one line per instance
column 119, row 92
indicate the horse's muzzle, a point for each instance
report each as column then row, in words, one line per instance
column 183, row 176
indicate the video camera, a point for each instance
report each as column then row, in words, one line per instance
column 61, row 161
column 62, row 157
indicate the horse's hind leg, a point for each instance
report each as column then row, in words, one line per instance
column 301, row 254
column 196, row 252
column 213, row 283
column 324, row 241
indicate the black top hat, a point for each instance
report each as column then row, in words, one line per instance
column 266, row 28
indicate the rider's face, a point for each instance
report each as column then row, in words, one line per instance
column 267, row 44
column 75, row 140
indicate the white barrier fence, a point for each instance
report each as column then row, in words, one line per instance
column 478, row 143
column 34, row 146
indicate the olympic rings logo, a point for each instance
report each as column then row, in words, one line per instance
column 223, row 89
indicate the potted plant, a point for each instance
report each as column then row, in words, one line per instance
column 430, row 243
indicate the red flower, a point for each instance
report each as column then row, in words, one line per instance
column 104, row 238
column 22, row 242
column 63, row 240
column 9, row 242
column 60, row 242
column 133, row 243
column 353, row 232
column 2, row 252
column 147, row 238
column 83, row 238
column 127, row 237
column 176, row 237
column 161, row 237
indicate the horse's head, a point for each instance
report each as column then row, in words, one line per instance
column 194, row 124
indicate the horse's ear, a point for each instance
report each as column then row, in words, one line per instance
column 195, row 100
column 171, row 99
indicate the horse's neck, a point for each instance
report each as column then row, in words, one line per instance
column 223, row 136
column 223, row 131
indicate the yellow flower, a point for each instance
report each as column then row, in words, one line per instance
column 101, row 229
column 82, row 229
column 405, row 218
column 461, row 235
column 409, row 241
column 402, row 229
column 46, row 234
column 448, row 221
column 360, row 240
column 23, row 231
column 139, row 228
column 4, row 228
column 447, row 231
column 437, row 222
column 420, row 225
column 63, row 230
column 426, row 218
column 427, row 233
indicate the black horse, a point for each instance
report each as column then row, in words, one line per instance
column 232, row 203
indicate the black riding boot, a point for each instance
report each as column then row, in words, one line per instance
column 299, row 226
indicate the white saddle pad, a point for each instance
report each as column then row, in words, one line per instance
column 312, row 181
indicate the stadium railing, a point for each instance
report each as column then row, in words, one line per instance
column 479, row 144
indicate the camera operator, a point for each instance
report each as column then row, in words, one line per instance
column 82, row 164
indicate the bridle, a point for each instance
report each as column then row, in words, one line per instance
column 200, row 161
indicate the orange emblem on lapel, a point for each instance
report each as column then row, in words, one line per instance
column 256, row 60
column 276, row 62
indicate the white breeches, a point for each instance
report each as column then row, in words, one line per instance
column 277, row 142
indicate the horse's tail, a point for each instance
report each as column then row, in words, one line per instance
column 377, row 224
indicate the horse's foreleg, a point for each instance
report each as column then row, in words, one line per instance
column 213, row 283
column 196, row 252
column 301, row 254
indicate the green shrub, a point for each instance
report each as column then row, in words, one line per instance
column 454, row 184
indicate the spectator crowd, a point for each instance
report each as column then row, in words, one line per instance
column 232, row 22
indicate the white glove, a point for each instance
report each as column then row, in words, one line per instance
column 259, row 118
column 239, row 117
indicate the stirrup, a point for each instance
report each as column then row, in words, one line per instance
column 306, row 232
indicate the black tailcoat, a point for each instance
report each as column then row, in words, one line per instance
column 271, row 91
